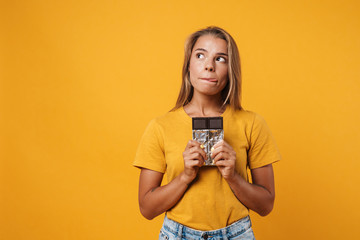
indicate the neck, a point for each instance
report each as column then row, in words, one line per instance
column 204, row 106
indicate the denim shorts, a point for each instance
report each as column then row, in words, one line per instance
column 240, row 229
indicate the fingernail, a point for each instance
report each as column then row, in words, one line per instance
column 212, row 149
column 201, row 146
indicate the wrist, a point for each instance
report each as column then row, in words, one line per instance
column 234, row 178
column 185, row 179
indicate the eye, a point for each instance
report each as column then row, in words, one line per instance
column 200, row 55
column 221, row 59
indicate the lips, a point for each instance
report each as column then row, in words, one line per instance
column 209, row 79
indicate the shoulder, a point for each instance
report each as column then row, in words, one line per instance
column 245, row 120
column 245, row 116
column 168, row 119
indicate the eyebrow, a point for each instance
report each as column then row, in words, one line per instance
column 202, row 49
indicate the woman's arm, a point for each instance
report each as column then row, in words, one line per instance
column 155, row 199
column 258, row 196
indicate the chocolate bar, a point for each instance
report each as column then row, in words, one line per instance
column 207, row 131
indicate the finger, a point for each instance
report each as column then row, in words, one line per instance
column 222, row 143
column 220, row 163
column 198, row 163
column 197, row 156
column 198, row 149
column 195, row 163
column 191, row 157
column 192, row 143
column 222, row 147
column 219, row 143
column 219, row 149
column 215, row 151
column 224, row 163
column 220, row 156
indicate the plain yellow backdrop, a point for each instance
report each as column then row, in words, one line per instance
column 80, row 80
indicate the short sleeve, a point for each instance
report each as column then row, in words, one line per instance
column 150, row 152
column 263, row 149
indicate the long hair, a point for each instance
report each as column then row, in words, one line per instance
column 231, row 94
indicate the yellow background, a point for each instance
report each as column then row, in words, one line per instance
column 80, row 80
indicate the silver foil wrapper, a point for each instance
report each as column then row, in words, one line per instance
column 208, row 132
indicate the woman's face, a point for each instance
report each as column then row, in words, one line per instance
column 209, row 65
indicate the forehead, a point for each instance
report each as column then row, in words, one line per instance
column 211, row 43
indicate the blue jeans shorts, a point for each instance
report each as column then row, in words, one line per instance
column 240, row 229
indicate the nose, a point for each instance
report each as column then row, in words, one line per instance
column 209, row 66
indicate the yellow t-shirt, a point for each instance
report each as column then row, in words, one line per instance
column 208, row 203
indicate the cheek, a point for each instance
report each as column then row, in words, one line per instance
column 224, row 77
column 223, row 73
column 194, row 66
column 194, row 69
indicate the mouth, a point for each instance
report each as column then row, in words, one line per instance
column 209, row 79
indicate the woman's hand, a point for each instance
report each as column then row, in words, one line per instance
column 224, row 158
column 258, row 196
column 194, row 157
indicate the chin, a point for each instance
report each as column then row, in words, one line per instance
column 210, row 93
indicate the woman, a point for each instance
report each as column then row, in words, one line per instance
column 200, row 201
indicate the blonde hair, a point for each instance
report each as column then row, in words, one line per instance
column 231, row 94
